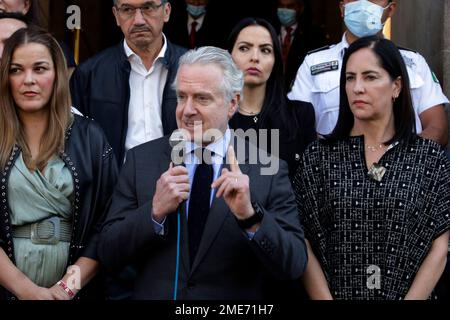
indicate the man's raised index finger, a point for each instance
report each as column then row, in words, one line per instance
column 231, row 155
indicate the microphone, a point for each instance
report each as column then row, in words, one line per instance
column 177, row 142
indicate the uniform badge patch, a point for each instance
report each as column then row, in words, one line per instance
column 409, row 62
column 324, row 67
column 435, row 79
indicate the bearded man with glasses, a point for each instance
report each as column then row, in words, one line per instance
column 127, row 89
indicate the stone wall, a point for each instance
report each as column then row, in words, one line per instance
column 424, row 26
column 446, row 49
column 419, row 25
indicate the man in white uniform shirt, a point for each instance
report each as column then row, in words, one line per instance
column 127, row 88
column 317, row 79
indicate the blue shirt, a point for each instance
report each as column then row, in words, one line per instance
column 219, row 151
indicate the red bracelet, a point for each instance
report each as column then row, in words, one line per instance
column 64, row 286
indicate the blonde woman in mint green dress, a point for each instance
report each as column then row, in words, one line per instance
column 57, row 172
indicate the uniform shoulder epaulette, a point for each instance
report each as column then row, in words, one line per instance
column 318, row 50
column 406, row 49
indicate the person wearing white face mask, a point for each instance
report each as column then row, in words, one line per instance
column 363, row 18
column 297, row 35
column 317, row 79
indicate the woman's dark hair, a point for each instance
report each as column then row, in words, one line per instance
column 33, row 15
column 391, row 60
column 275, row 100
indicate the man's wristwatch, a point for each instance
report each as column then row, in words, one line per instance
column 254, row 219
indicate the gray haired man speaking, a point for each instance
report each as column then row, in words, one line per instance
column 213, row 228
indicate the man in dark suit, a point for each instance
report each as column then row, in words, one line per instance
column 214, row 228
column 198, row 23
column 298, row 35
column 126, row 88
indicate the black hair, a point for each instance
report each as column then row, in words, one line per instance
column 33, row 15
column 392, row 61
column 275, row 104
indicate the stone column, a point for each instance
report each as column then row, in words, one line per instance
column 424, row 26
column 419, row 25
column 446, row 57
column 446, row 49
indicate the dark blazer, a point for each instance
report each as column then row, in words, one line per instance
column 214, row 31
column 291, row 150
column 94, row 171
column 100, row 89
column 177, row 31
column 306, row 38
column 228, row 265
column 301, row 116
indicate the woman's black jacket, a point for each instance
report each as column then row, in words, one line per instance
column 91, row 162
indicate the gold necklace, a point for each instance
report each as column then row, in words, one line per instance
column 248, row 112
column 375, row 148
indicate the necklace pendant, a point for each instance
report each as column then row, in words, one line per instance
column 255, row 119
column 377, row 172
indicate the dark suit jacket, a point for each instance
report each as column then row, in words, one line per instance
column 228, row 265
column 100, row 90
column 305, row 40
column 213, row 32
column 301, row 116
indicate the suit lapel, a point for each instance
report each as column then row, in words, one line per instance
column 184, row 248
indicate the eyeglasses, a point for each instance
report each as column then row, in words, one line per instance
column 147, row 10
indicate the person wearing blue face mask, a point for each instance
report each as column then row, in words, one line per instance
column 196, row 10
column 317, row 79
column 297, row 35
column 194, row 25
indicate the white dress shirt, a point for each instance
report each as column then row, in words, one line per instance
column 284, row 32
column 199, row 21
column 219, row 152
column 146, row 92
